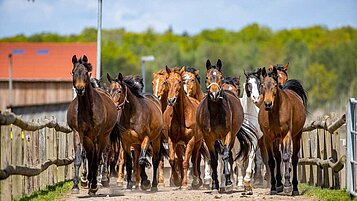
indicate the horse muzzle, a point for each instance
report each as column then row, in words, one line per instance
column 214, row 96
column 80, row 91
column 172, row 101
column 268, row 106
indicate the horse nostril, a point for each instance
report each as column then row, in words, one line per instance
column 159, row 97
column 172, row 101
column 268, row 105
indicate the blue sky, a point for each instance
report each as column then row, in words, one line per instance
column 71, row 17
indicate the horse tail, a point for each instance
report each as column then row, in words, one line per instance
column 244, row 137
column 296, row 87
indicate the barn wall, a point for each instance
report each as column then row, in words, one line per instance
column 35, row 92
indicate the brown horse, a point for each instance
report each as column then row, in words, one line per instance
column 140, row 124
column 93, row 115
column 232, row 84
column 159, row 87
column 220, row 117
column 179, row 122
column 281, row 117
column 191, row 83
column 282, row 73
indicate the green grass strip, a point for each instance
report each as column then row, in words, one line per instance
column 49, row 193
column 325, row 193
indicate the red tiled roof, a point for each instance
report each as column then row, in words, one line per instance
column 43, row 61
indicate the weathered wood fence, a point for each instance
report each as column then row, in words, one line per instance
column 323, row 152
column 33, row 155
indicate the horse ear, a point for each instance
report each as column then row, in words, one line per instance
column 74, row 59
column 110, row 79
column 219, row 64
column 196, row 72
column 275, row 72
column 182, row 70
column 285, row 67
column 245, row 73
column 264, row 72
column 208, row 64
column 120, row 77
column 168, row 70
column 85, row 59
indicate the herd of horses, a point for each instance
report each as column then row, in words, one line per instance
column 216, row 124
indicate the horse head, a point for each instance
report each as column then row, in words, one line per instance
column 117, row 90
column 81, row 74
column 190, row 79
column 282, row 73
column 252, row 85
column 214, row 78
column 232, row 84
column 174, row 84
column 159, row 85
column 269, row 87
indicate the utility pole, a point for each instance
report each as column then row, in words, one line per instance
column 99, row 39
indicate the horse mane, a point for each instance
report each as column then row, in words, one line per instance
column 161, row 72
column 296, row 86
column 135, row 85
column 191, row 69
column 177, row 69
column 280, row 67
column 86, row 64
column 231, row 81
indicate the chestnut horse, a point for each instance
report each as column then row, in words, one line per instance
column 140, row 125
column 282, row 73
column 159, row 87
column 179, row 123
column 220, row 117
column 92, row 114
column 281, row 118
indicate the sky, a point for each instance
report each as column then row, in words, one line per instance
column 192, row 16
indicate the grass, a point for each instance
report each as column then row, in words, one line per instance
column 50, row 193
column 325, row 194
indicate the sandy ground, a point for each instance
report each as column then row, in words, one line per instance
column 174, row 193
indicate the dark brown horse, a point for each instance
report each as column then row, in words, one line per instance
column 281, row 118
column 220, row 117
column 232, row 84
column 179, row 122
column 282, row 73
column 93, row 115
column 140, row 125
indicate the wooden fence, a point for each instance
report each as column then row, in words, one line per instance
column 33, row 155
column 323, row 152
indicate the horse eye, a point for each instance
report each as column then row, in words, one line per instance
column 180, row 82
column 192, row 80
column 206, row 78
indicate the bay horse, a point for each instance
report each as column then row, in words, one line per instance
column 92, row 114
column 220, row 117
column 192, row 87
column 140, row 125
column 281, row 117
column 159, row 87
column 179, row 126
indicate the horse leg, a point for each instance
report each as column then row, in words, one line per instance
column 161, row 173
column 188, row 153
column 196, row 155
column 207, row 178
column 248, row 188
column 180, row 152
column 129, row 168
column 93, row 165
column 225, row 158
column 137, row 170
column 104, row 172
column 215, row 183
column 295, row 159
column 258, row 179
column 174, row 176
column 77, row 162
column 265, row 158
column 121, row 161
column 286, row 160
column 277, row 156
column 271, row 162
column 155, row 161
column 143, row 162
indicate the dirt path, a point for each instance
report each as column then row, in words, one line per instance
column 173, row 193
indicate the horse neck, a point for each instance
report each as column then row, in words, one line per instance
column 182, row 102
column 133, row 102
column 86, row 102
column 199, row 93
column 277, row 102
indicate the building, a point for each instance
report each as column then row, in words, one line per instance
column 41, row 72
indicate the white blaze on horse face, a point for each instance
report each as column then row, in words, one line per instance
column 230, row 88
column 255, row 96
column 156, row 91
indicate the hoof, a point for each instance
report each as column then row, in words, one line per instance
column 288, row 189
column 75, row 190
column 129, row 185
column 174, row 183
column 272, row 193
column 84, row 182
column 228, row 188
column 184, row 188
column 295, row 193
column 206, row 186
column 92, row 191
column 105, row 183
column 145, row 185
column 161, row 184
column 279, row 189
column 214, row 192
column 120, row 184
column 154, row 189
column 196, row 184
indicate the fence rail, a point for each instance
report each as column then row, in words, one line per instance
column 33, row 155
